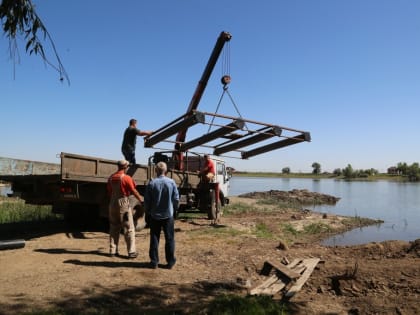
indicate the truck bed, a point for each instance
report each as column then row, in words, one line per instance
column 10, row 168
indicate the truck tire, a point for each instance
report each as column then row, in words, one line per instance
column 211, row 210
column 139, row 216
column 214, row 211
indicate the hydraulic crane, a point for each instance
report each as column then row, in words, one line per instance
column 201, row 86
column 237, row 135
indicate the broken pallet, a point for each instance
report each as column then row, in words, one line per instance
column 293, row 275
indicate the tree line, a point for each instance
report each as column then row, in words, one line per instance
column 411, row 172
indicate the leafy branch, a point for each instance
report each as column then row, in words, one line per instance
column 18, row 17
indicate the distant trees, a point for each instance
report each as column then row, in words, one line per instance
column 412, row 172
column 316, row 168
column 349, row 172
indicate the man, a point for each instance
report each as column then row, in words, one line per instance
column 208, row 171
column 120, row 186
column 161, row 200
column 128, row 146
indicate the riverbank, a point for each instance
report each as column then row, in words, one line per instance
column 73, row 273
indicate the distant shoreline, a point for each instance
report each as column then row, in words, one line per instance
column 381, row 176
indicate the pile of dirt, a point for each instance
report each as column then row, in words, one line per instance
column 299, row 196
column 70, row 269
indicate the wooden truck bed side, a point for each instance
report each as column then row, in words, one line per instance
column 93, row 169
column 15, row 167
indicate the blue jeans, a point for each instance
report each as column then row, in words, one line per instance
column 167, row 225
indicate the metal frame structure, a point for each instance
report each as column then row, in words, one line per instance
column 244, row 137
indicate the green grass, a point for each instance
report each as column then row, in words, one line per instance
column 238, row 208
column 359, row 221
column 317, row 228
column 249, row 305
column 217, row 231
column 17, row 211
column 262, row 231
column 288, row 229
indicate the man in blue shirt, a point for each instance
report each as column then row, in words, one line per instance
column 161, row 200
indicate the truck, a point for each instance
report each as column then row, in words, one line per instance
column 77, row 185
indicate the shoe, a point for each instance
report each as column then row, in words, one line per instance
column 170, row 266
column 132, row 255
column 114, row 255
column 153, row 266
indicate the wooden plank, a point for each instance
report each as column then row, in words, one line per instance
column 285, row 270
column 275, row 288
column 310, row 264
column 260, row 288
column 294, row 263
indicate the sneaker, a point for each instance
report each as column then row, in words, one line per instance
column 132, row 255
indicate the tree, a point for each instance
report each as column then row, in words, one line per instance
column 285, row 170
column 19, row 18
column 402, row 168
column 348, row 171
column 337, row 172
column 316, row 168
column 413, row 172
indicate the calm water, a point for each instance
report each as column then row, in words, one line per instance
column 397, row 204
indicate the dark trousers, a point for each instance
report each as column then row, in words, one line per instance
column 129, row 155
column 156, row 226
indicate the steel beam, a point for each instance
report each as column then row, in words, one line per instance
column 235, row 125
column 263, row 134
column 277, row 145
column 173, row 128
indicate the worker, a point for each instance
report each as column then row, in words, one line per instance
column 161, row 200
column 208, row 171
column 128, row 146
column 120, row 186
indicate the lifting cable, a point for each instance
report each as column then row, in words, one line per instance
column 225, row 81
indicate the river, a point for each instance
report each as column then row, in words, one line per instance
column 397, row 204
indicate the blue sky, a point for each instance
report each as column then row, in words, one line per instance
column 346, row 71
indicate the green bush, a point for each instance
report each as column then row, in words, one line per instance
column 17, row 211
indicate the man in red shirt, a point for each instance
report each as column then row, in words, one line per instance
column 120, row 186
column 208, row 171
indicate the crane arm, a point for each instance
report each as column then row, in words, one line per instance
column 201, row 86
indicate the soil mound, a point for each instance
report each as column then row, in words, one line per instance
column 300, row 196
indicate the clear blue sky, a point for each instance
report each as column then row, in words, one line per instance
column 346, row 71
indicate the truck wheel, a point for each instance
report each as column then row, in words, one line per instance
column 139, row 217
column 211, row 210
column 214, row 211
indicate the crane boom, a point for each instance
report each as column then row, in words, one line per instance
column 201, row 86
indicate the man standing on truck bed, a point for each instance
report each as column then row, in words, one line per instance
column 128, row 147
column 120, row 187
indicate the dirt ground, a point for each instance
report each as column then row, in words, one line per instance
column 69, row 268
